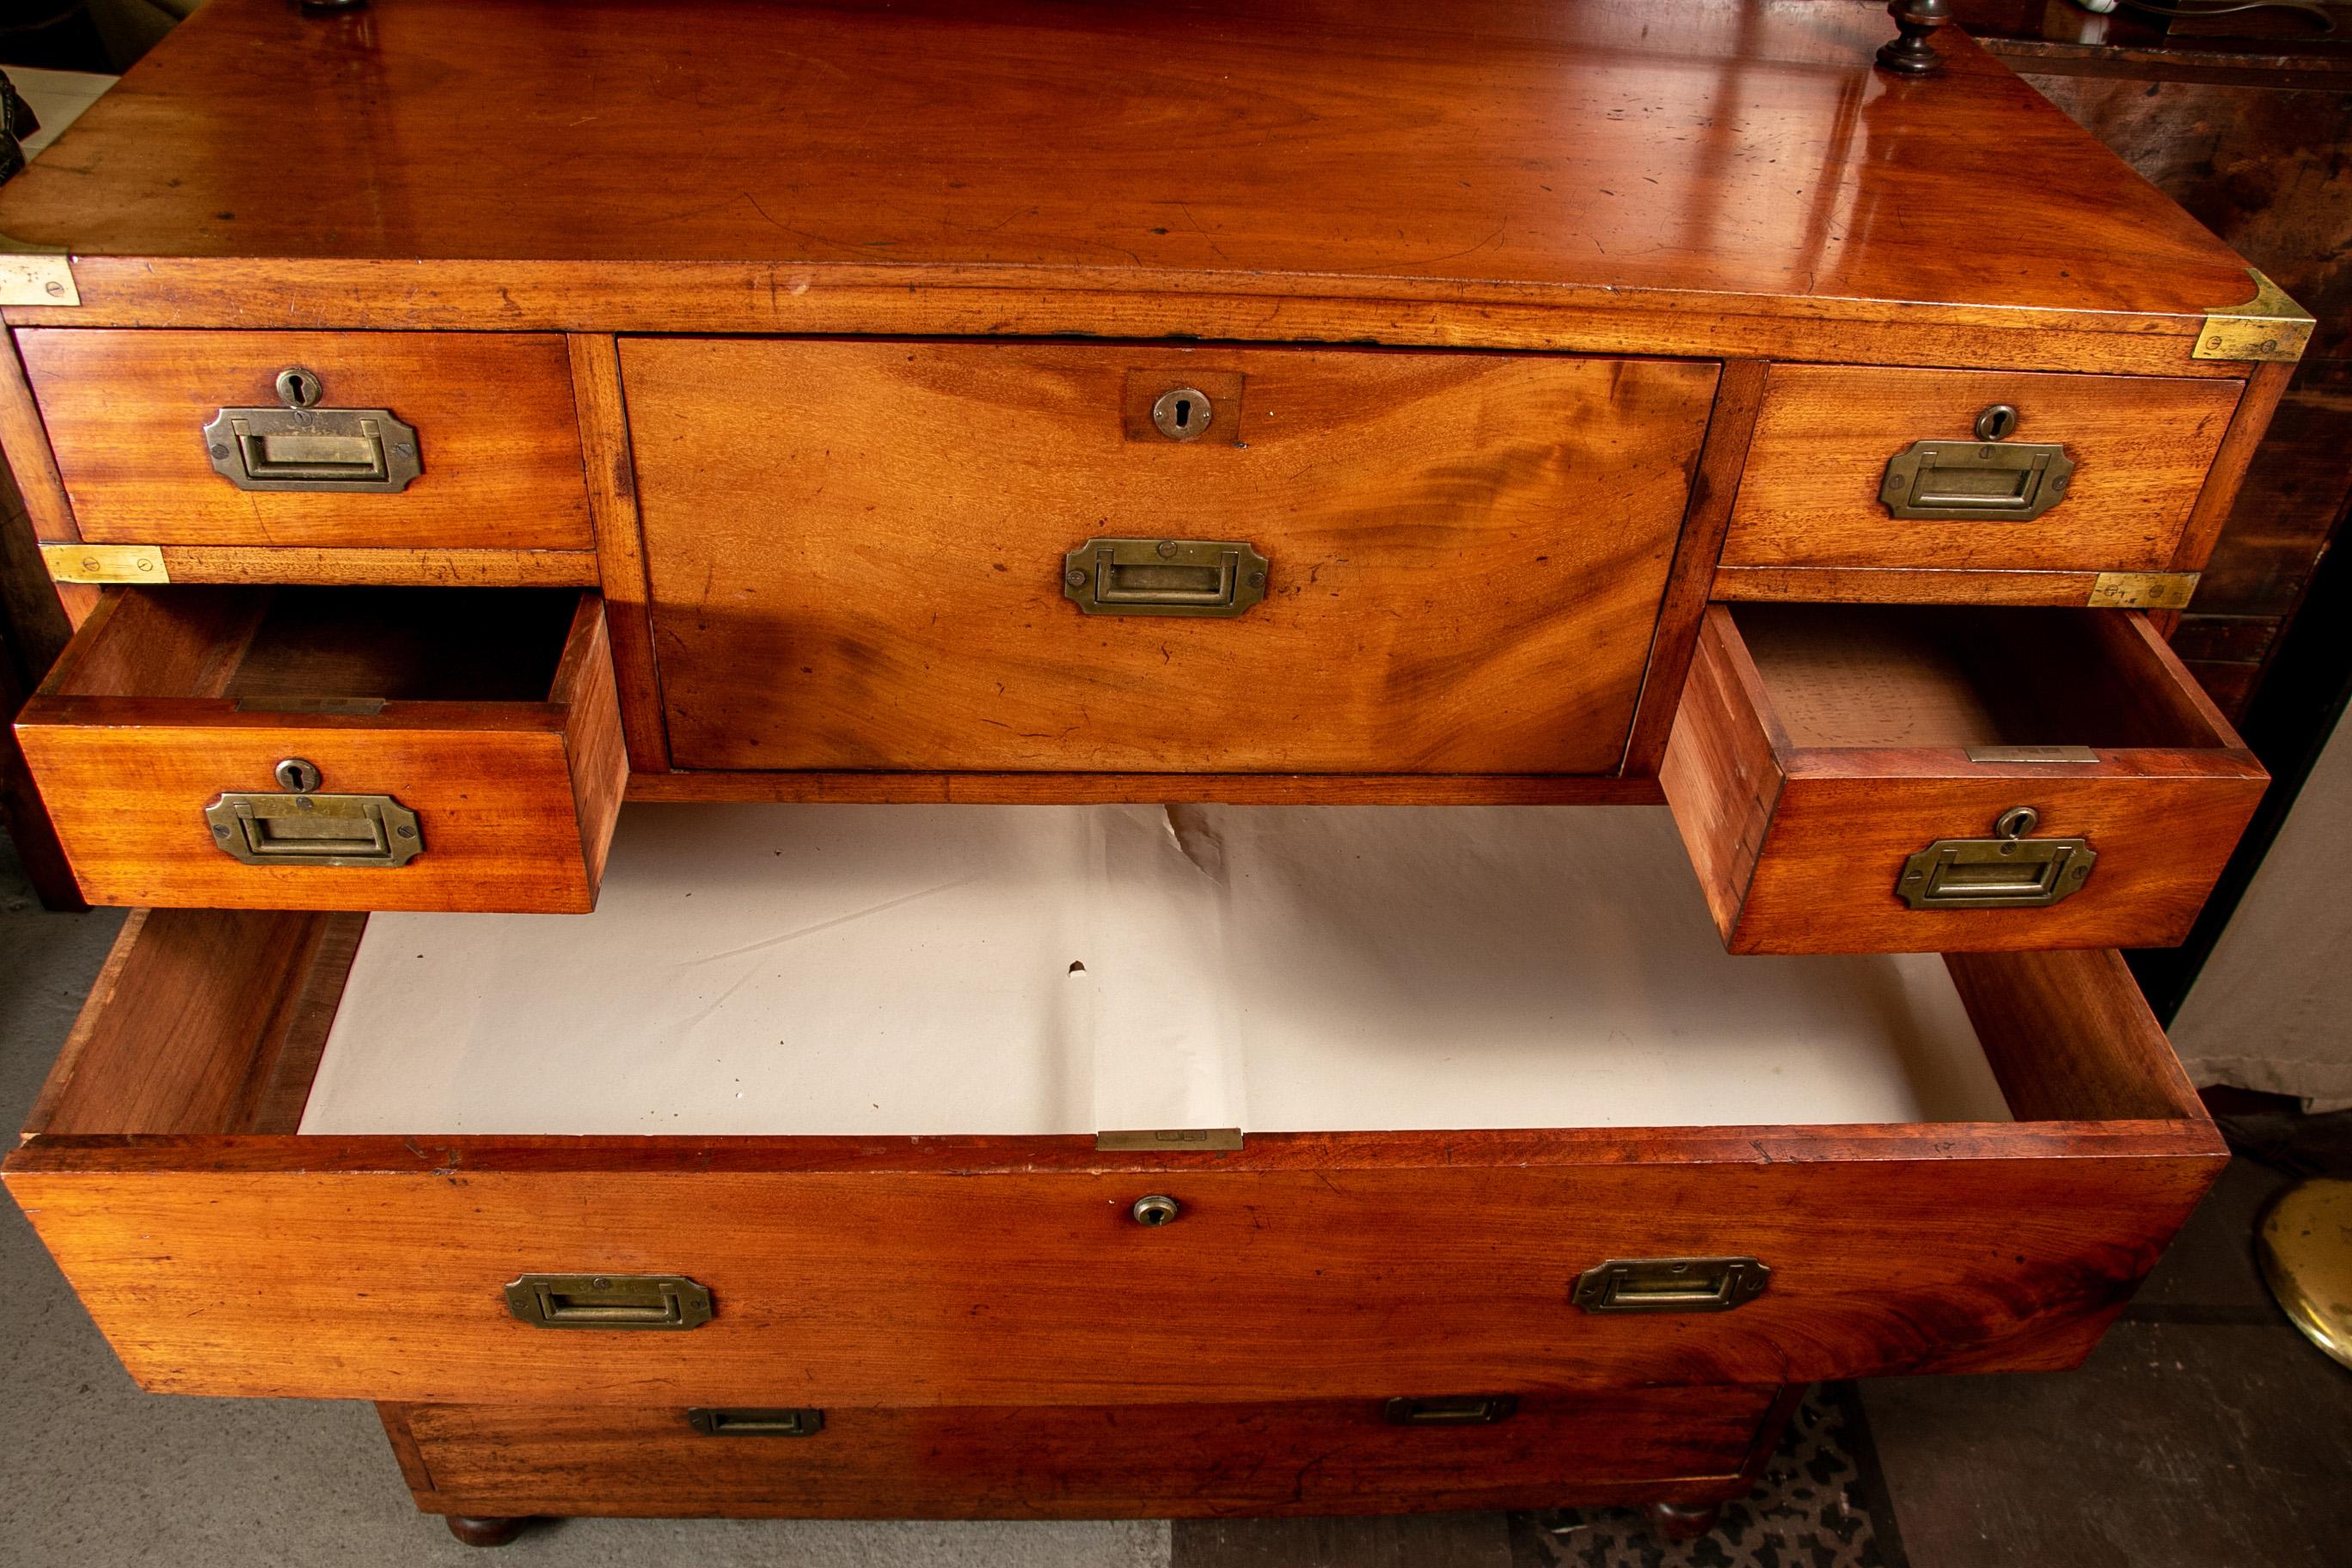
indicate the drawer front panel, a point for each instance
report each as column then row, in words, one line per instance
column 1333, row 1278
column 858, row 553
column 1081, row 1461
column 1813, row 491
column 497, row 441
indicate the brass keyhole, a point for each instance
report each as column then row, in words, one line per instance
column 1156, row 1210
column 300, row 388
column 1995, row 422
column 1183, row 413
column 297, row 775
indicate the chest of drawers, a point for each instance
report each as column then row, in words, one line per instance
column 1017, row 503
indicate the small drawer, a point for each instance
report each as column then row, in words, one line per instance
column 1083, row 1461
column 1853, row 778
column 417, row 440
column 333, row 748
column 1865, row 468
column 809, row 1114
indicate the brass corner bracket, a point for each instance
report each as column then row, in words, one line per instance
column 105, row 563
column 2270, row 326
column 31, row 276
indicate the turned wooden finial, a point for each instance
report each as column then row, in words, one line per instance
column 1912, row 54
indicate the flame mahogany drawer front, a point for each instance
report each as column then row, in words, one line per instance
column 1817, row 490
column 222, row 1253
column 347, row 748
column 874, row 555
column 1079, row 1461
column 1860, row 778
column 445, row 440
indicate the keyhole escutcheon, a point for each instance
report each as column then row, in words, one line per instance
column 1183, row 413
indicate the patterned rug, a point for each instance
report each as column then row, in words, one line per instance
column 1813, row 1507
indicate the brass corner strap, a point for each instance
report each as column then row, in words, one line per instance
column 2270, row 326
column 30, row 277
column 105, row 563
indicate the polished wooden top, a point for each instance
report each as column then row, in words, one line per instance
column 1419, row 151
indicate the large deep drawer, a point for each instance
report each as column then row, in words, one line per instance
column 1531, row 1132
column 1083, row 1461
column 1002, row 556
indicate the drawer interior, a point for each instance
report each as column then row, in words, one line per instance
column 1023, row 971
column 778, row 971
column 279, row 648
column 1868, row 675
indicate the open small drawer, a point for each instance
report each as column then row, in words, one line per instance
column 333, row 749
column 839, row 1107
column 1865, row 778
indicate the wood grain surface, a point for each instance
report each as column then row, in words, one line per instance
column 1304, row 1265
column 856, row 552
column 620, row 546
column 497, row 437
column 1809, row 496
column 1622, row 1445
column 173, row 696
column 1807, row 767
column 1504, row 145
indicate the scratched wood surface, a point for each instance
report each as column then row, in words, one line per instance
column 1741, row 160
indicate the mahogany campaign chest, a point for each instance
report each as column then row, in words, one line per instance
column 990, row 486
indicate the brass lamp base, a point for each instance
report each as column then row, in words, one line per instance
column 2306, row 1246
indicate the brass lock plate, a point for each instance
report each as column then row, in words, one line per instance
column 359, row 450
column 1451, row 1410
column 2009, row 871
column 1164, row 577
column 1993, row 481
column 293, row 830
column 670, row 1301
column 1670, row 1284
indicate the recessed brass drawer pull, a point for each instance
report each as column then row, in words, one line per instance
column 304, row 828
column 1965, row 480
column 302, row 446
column 1456, row 1410
column 609, row 1301
column 756, row 1423
column 2010, row 871
column 1670, row 1284
column 1163, row 577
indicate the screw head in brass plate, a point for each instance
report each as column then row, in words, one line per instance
column 2306, row 1247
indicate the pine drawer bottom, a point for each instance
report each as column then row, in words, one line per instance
column 1691, row 1447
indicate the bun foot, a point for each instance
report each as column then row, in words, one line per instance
column 1679, row 1520
column 485, row 1531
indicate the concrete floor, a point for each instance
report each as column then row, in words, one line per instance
column 2204, row 1434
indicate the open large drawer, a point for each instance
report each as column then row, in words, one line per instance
column 1874, row 778
column 224, row 1252
column 333, row 748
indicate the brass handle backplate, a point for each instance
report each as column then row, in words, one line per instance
column 300, row 447
column 304, row 828
column 1992, row 482
column 2009, row 871
column 1163, row 577
column 1670, row 1284
column 609, row 1301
